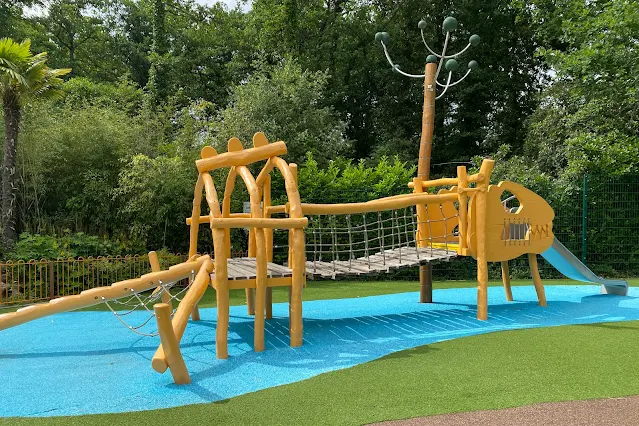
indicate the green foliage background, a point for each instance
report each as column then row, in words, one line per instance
column 555, row 99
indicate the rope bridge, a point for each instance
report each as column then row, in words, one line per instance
column 376, row 242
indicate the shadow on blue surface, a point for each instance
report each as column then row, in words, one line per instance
column 84, row 362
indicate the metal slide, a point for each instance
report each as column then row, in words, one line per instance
column 570, row 266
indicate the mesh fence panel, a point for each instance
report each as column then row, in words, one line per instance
column 599, row 224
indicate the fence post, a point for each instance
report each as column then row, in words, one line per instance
column 584, row 217
column 51, row 281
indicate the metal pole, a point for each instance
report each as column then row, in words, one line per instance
column 584, row 218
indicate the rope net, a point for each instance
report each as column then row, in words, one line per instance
column 143, row 303
column 376, row 242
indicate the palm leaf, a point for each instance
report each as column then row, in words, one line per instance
column 26, row 75
column 15, row 52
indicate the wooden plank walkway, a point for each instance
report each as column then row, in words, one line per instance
column 243, row 268
column 380, row 262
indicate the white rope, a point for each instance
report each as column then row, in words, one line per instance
column 353, row 239
column 145, row 303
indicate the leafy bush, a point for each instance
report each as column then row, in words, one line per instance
column 34, row 246
column 344, row 181
column 82, row 92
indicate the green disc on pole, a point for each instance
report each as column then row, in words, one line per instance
column 452, row 65
column 473, row 65
column 422, row 25
column 474, row 40
column 450, row 24
column 431, row 59
column 384, row 37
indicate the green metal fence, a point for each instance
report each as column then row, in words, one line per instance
column 598, row 223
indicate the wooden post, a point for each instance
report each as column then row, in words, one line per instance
column 297, row 263
column 51, row 280
column 539, row 286
column 155, row 267
column 222, row 294
column 268, row 234
column 423, row 165
column 260, row 291
column 170, row 344
column 482, row 262
column 462, row 177
column 250, row 292
column 505, row 276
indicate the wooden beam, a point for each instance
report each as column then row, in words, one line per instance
column 170, row 344
column 377, row 205
column 98, row 295
column 241, row 158
column 184, row 310
column 271, row 223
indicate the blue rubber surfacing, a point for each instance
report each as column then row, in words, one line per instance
column 87, row 362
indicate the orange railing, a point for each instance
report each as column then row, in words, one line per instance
column 38, row 280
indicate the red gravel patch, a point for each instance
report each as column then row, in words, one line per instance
column 594, row 412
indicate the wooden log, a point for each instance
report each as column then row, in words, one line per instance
column 377, row 205
column 289, row 173
column 260, row 257
column 539, row 285
column 270, row 223
column 277, row 209
column 155, row 267
column 98, row 295
column 222, row 294
column 241, row 158
column 195, row 214
column 211, row 195
column 445, row 181
column 431, row 183
column 477, row 177
column 505, row 276
column 265, row 173
column 207, row 218
column 184, row 310
column 229, row 187
column 268, row 236
column 297, row 286
column 482, row 262
column 462, row 176
column 170, row 344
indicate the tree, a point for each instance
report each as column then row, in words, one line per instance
column 383, row 112
column 588, row 120
column 156, row 85
column 11, row 16
column 23, row 76
column 286, row 103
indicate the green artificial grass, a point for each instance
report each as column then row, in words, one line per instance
column 320, row 290
column 497, row 370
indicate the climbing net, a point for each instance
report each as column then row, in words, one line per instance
column 378, row 241
column 143, row 302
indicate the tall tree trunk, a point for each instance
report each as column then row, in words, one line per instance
column 156, row 84
column 12, row 117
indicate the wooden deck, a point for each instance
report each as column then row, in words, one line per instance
column 243, row 268
column 380, row 262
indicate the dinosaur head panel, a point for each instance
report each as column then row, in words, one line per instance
column 513, row 232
